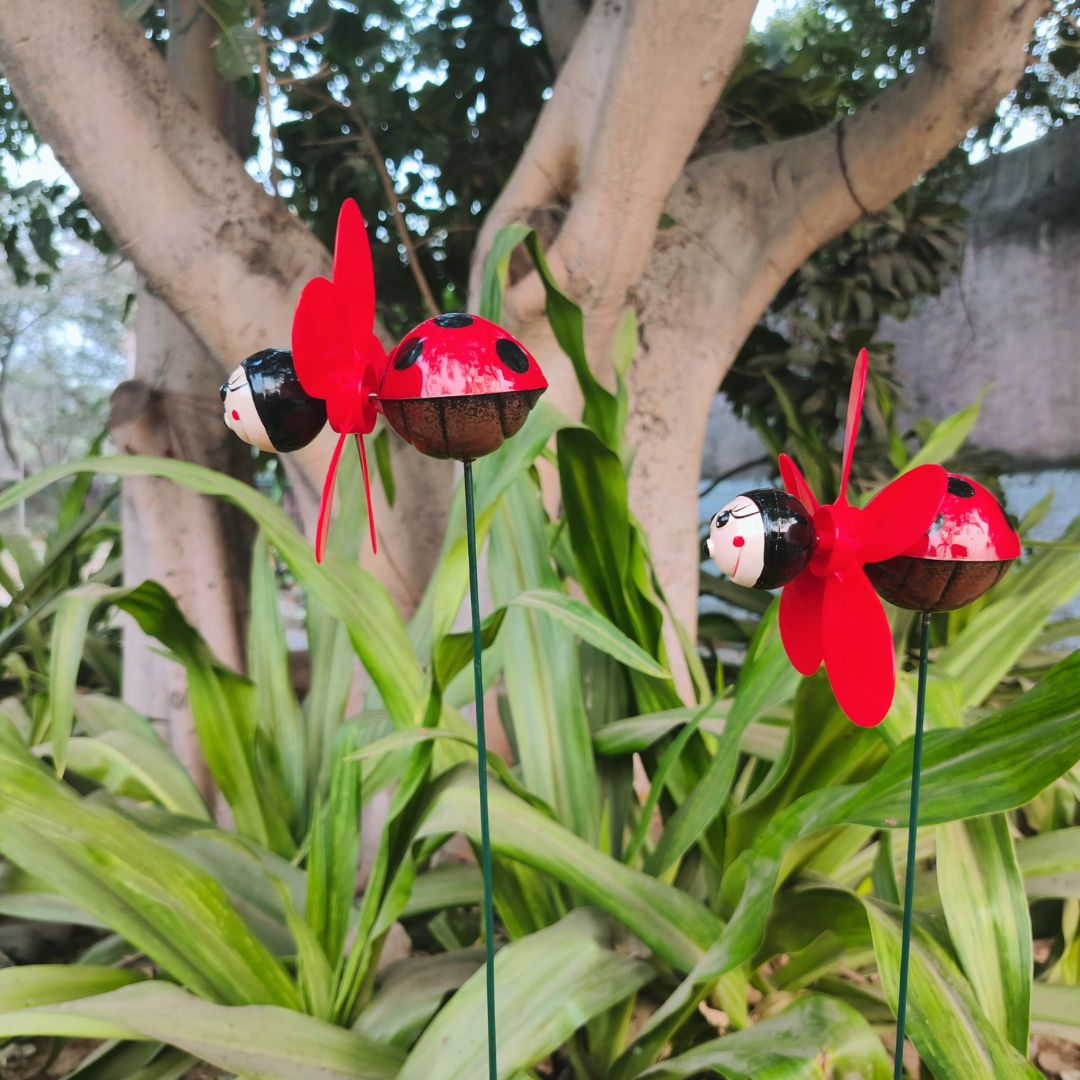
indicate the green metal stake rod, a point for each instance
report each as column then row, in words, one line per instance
column 481, row 764
column 912, row 836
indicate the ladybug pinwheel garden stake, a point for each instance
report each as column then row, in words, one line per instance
column 829, row 610
column 456, row 387
column 929, row 541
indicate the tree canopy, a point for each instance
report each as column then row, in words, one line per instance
column 419, row 111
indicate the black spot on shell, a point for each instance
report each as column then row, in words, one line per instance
column 456, row 320
column 408, row 354
column 961, row 488
column 512, row 355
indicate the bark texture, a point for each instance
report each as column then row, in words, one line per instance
column 194, row 545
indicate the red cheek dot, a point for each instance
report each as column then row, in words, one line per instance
column 738, row 541
column 235, row 415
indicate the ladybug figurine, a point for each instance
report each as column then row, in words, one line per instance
column 266, row 405
column 966, row 551
column 928, row 541
column 829, row 611
column 457, row 386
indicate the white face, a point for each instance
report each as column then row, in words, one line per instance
column 241, row 416
column 737, row 541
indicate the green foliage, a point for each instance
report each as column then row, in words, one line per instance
column 82, row 549
column 754, row 871
column 408, row 85
column 816, row 1037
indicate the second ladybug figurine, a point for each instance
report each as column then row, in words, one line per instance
column 764, row 539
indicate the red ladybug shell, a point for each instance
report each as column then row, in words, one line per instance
column 965, row 552
column 458, row 355
column 458, row 386
column 970, row 527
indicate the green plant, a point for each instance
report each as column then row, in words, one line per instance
column 744, row 904
column 81, row 548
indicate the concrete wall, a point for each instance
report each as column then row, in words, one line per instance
column 1013, row 318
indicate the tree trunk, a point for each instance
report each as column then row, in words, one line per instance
column 197, row 547
column 228, row 259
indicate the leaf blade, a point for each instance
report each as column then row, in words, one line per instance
column 579, row 977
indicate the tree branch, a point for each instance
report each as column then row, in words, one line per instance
column 819, row 184
column 628, row 107
column 561, row 21
column 226, row 256
column 367, row 137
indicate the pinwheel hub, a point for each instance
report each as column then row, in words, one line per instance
column 835, row 547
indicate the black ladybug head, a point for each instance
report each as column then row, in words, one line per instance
column 762, row 539
column 266, row 405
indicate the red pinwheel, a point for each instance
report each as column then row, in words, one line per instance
column 337, row 356
column 829, row 610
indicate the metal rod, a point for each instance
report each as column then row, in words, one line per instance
column 913, row 832
column 481, row 760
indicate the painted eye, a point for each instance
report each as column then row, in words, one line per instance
column 723, row 519
column 224, row 390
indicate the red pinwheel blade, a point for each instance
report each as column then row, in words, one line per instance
column 353, row 272
column 367, row 492
column 854, row 415
column 859, row 656
column 322, row 347
column 795, row 484
column 800, row 622
column 900, row 513
column 322, row 530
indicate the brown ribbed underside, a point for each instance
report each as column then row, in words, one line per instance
column 931, row 584
column 464, row 428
